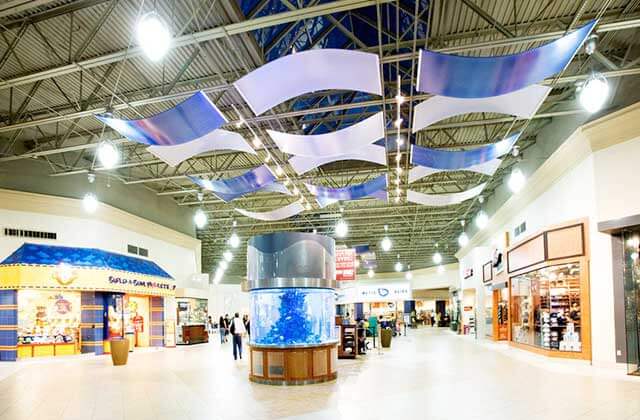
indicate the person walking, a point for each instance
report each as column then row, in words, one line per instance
column 227, row 325
column 222, row 330
column 247, row 325
column 237, row 329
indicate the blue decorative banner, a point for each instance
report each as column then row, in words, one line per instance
column 456, row 160
column 481, row 77
column 325, row 195
column 260, row 178
column 191, row 119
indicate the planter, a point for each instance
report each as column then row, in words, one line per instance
column 119, row 351
column 385, row 337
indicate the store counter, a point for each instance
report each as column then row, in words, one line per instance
column 193, row 334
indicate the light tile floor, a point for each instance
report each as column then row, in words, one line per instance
column 430, row 374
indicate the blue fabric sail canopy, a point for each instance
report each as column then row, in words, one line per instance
column 260, row 178
column 481, row 77
column 326, row 195
column 190, row 120
column 457, row 160
column 51, row 255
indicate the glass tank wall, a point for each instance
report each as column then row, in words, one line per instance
column 291, row 317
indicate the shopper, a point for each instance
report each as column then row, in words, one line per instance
column 227, row 325
column 222, row 329
column 237, row 329
column 247, row 324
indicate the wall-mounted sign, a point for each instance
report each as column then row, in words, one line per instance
column 468, row 273
column 381, row 292
column 487, row 272
column 345, row 264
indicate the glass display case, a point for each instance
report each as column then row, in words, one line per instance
column 546, row 308
column 292, row 317
column 192, row 311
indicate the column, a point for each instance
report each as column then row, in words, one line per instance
column 8, row 325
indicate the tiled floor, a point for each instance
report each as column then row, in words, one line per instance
column 431, row 374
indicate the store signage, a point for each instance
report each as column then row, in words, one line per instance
column 141, row 283
column 382, row 292
column 345, row 264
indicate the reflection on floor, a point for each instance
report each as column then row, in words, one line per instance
column 430, row 374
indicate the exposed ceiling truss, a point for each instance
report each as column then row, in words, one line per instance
column 62, row 62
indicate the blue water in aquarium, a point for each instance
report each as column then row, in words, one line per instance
column 292, row 317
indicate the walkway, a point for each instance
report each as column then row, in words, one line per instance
column 431, row 374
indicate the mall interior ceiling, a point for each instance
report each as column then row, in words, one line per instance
column 62, row 62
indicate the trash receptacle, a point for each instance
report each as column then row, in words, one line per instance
column 385, row 337
column 119, row 351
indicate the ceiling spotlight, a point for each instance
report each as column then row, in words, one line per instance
column 234, row 240
column 235, row 223
column 408, row 275
column 315, row 231
column 399, row 170
column 516, row 180
column 108, row 155
column 463, row 240
column 481, row 199
column 400, row 99
column 91, row 177
column 305, row 126
column 482, row 220
column 341, row 209
column 398, row 157
column 153, row 36
column 371, row 273
column 397, row 199
column 398, row 123
column 307, row 206
column 240, row 122
column 227, row 255
column 200, row 196
column 279, row 170
column 267, row 158
column 223, row 264
column 400, row 140
column 90, row 203
column 398, row 190
column 590, row 44
column 397, row 181
column 386, row 244
column 398, row 266
column 200, row 219
column 256, row 142
column 342, row 228
column 437, row 258
column 515, row 152
column 594, row 93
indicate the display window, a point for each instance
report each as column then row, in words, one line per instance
column 192, row 311
column 48, row 317
column 546, row 308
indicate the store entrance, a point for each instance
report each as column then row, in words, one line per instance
column 632, row 299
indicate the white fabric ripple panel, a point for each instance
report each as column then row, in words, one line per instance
column 488, row 168
column 342, row 142
column 438, row 200
column 277, row 214
column 522, row 103
column 370, row 153
column 309, row 71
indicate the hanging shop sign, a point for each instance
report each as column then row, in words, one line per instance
column 468, row 273
column 345, row 264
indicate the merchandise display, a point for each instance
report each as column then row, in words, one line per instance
column 546, row 307
column 192, row 314
column 48, row 318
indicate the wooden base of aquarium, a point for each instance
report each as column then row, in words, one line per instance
column 293, row 366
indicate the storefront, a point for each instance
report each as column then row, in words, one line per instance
column 192, row 315
column 496, row 297
column 59, row 301
column 549, row 292
column 387, row 300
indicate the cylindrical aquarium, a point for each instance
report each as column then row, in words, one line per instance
column 291, row 278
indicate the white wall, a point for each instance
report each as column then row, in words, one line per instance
column 426, row 278
column 227, row 299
